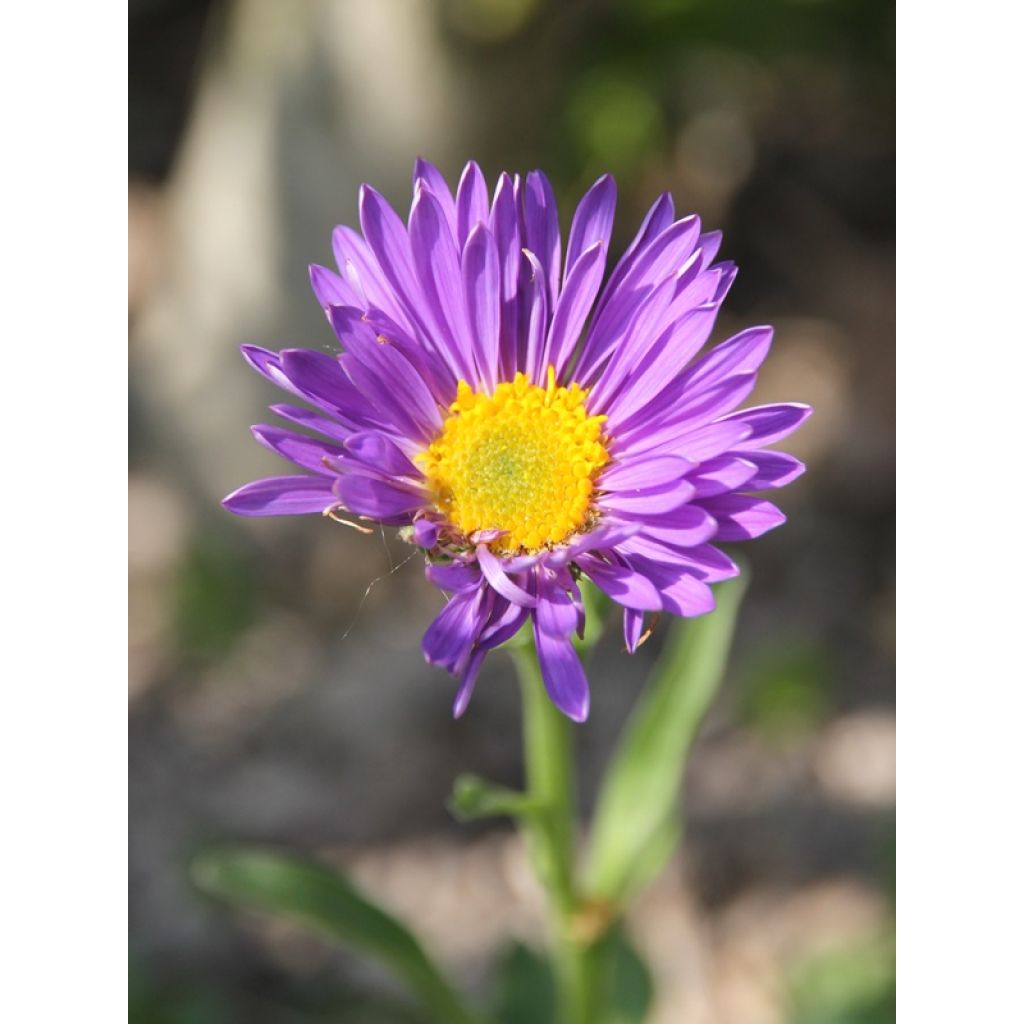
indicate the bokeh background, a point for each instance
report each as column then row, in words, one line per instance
column 277, row 692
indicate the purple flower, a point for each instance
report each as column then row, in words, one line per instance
column 522, row 423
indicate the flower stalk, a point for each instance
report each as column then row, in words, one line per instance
column 551, row 835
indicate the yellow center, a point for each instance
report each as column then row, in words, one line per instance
column 521, row 460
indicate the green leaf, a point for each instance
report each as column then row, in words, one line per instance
column 628, row 979
column 473, row 797
column 525, row 986
column 323, row 900
column 632, row 835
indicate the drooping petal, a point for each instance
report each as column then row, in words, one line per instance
column 499, row 579
column 454, row 577
column 555, row 611
column 450, row 636
column 563, row 674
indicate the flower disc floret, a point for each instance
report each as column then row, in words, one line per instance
column 521, row 460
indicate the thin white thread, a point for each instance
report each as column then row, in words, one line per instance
column 370, row 586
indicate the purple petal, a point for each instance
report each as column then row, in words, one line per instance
column 320, row 379
column 307, row 452
column 471, row 202
column 533, row 318
column 505, row 622
column 388, row 240
column 769, row 423
column 555, row 612
column 592, row 221
column 385, row 376
column 452, row 633
column 505, row 228
column 330, row 289
column 454, row 577
column 694, row 443
column 774, row 469
column 311, row 421
column 722, row 474
column 440, row 276
column 360, row 268
column 643, row 472
column 378, row 499
column 632, row 629
column 563, row 674
column 541, row 222
column 467, row 683
column 574, row 305
column 425, row 533
column 282, row 496
column 742, row 517
column 498, row 579
column 483, row 300
column 381, row 454
column 649, row 501
column 681, row 528
column 743, row 353
column 268, row 365
column 622, row 584
column 658, row 217
column 426, row 172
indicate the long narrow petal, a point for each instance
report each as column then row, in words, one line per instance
column 307, row 452
column 437, row 266
column 424, row 171
column 574, row 305
column 774, row 469
column 482, row 279
column 592, row 221
column 377, row 499
column 742, row 517
column 769, row 423
column 542, row 234
column 563, row 674
column 498, row 578
column 282, row 496
column 622, row 584
column 471, row 206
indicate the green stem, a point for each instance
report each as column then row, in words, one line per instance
column 547, row 749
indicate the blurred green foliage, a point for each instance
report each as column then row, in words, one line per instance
column 850, row 986
column 216, row 598
column 786, row 693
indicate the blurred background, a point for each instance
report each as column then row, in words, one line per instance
column 277, row 691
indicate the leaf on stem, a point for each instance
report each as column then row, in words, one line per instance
column 324, row 900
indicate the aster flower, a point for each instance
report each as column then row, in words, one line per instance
column 524, row 425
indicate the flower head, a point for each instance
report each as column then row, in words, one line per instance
column 525, row 425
